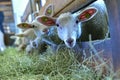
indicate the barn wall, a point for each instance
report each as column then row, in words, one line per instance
column 113, row 7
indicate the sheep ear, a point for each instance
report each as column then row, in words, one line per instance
column 20, row 35
column 24, row 25
column 87, row 14
column 49, row 10
column 13, row 37
column 45, row 20
column 17, row 35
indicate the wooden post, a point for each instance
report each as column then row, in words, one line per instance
column 26, row 12
column 113, row 7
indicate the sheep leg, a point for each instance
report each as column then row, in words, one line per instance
column 52, row 45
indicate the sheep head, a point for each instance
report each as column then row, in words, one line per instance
column 38, row 28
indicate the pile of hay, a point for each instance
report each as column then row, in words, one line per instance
column 61, row 65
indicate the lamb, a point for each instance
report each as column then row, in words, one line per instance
column 38, row 28
column 27, row 44
column 22, row 39
column 78, row 26
column 41, row 31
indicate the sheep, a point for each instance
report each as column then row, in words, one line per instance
column 27, row 44
column 45, row 35
column 2, row 44
column 39, row 30
column 23, row 39
column 78, row 26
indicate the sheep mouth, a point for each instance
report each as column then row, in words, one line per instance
column 70, row 45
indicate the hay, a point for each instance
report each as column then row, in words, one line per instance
column 61, row 65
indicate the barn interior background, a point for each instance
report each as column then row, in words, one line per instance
column 23, row 10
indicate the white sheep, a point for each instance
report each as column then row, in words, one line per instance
column 46, row 36
column 23, row 39
column 2, row 44
column 38, row 29
column 70, row 27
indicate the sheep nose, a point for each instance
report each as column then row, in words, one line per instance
column 70, row 40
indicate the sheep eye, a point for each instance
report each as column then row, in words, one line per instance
column 77, row 21
column 57, row 25
column 33, row 26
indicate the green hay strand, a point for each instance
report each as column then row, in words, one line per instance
column 61, row 65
